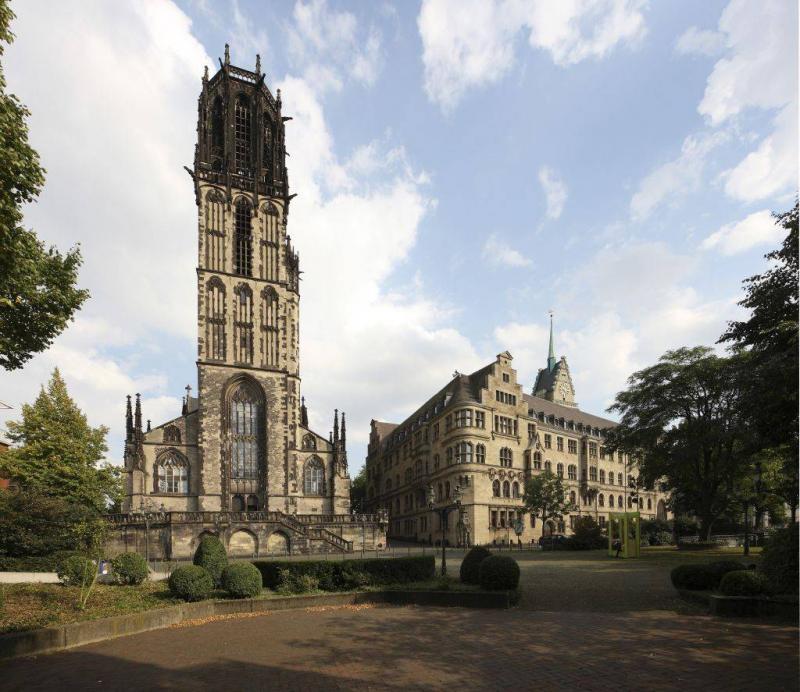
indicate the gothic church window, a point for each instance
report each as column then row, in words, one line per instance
column 266, row 156
column 172, row 434
column 309, row 442
column 215, row 320
column 243, row 256
column 269, row 243
column 215, row 231
column 172, row 474
column 269, row 325
column 217, row 134
column 242, row 135
column 314, row 478
column 245, row 431
column 243, row 325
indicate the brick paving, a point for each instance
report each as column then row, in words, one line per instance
column 410, row 648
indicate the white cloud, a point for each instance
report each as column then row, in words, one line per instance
column 696, row 41
column 470, row 43
column 325, row 44
column 498, row 253
column 758, row 228
column 678, row 177
column 758, row 71
column 555, row 191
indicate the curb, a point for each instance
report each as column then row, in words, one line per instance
column 61, row 637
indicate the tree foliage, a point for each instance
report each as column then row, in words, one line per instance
column 59, row 451
column 358, row 491
column 546, row 498
column 38, row 296
column 684, row 420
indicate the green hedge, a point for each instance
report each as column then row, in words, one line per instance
column 779, row 560
column 211, row 556
column 471, row 564
column 241, row 580
column 191, row 583
column 722, row 567
column 499, row 573
column 743, row 583
column 35, row 563
column 693, row 577
column 129, row 568
column 76, row 570
column 343, row 574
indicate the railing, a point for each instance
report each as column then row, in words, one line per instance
column 330, row 537
column 337, row 518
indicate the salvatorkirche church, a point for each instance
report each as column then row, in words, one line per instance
column 240, row 461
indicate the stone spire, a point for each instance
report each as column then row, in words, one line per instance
column 344, row 432
column 128, row 419
column 335, row 426
column 303, row 412
column 551, row 353
column 137, row 419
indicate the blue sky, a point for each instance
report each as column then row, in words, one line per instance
column 462, row 167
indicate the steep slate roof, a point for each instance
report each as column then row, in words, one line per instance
column 568, row 413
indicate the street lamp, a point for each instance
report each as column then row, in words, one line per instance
column 747, row 501
column 443, row 512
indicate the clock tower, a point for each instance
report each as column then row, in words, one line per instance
column 554, row 382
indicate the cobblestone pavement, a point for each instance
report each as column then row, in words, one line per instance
column 409, row 648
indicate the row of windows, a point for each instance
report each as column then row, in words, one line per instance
column 506, row 489
column 505, row 397
column 463, row 418
column 568, row 425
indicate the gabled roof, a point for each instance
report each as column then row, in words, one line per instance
column 568, row 413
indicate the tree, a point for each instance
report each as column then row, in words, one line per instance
column 546, row 498
column 59, row 451
column 38, row 296
column 684, row 421
column 358, row 491
column 770, row 336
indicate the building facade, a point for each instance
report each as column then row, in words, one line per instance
column 483, row 434
column 240, row 454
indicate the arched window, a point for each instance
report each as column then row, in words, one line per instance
column 215, row 230
column 601, row 500
column 245, row 430
column 449, row 455
column 537, row 461
column 611, row 478
column 649, row 504
column 266, row 154
column 447, row 489
column 309, row 442
column 252, row 503
column 496, row 488
column 480, row 454
column 243, row 325
column 217, row 133
column 215, row 320
column 610, row 500
column 314, row 477
column 269, row 326
column 237, row 505
column 515, row 489
column 602, row 476
column 506, row 489
column 619, row 501
column 464, row 453
column 243, row 222
column 506, row 457
column 242, row 135
column 572, row 472
column 548, row 466
column 572, row 497
column 560, row 470
column 592, row 473
column 269, row 248
column 172, row 434
column 619, row 479
column 172, row 473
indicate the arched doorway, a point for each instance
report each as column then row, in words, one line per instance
column 242, row 544
column 278, row 543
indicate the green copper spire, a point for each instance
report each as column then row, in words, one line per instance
column 551, row 354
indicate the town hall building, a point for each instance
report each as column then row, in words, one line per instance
column 240, row 460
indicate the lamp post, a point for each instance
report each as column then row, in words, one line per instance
column 754, row 500
column 443, row 512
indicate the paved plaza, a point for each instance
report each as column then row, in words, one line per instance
column 584, row 622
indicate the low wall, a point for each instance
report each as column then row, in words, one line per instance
column 77, row 634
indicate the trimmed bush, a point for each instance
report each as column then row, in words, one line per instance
column 76, row 570
column 129, row 568
column 471, row 564
column 720, row 568
column 340, row 575
column 693, row 577
column 743, row 583
column 291, row 583
column 241, row 580
column 191, row 583
column 211, row 556
column 779, row 561
column 499, row 573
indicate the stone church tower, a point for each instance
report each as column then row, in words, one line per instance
column 243, row 444
column 554, row 382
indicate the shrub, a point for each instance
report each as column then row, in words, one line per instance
column 587, row 535
column 129, row 568
column 470, row 565
column 211, row 556
column 499, row 572
column 191, row 583
column 779, row 561
column 241, row 580
column 743, row 583
column 355, row 580
column 292, row 583
column 338, row 576
column 76, row 570
column 720, row 568
column 35, row 563
column 660, row 538
column 693, row 577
